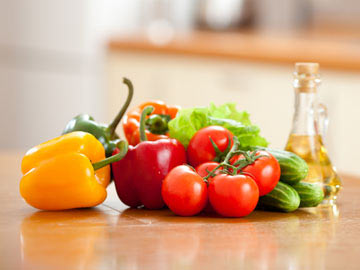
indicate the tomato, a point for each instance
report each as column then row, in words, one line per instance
column 184, row 191
column 233, row 195
column 201, row 150
column 265, row 171
column 202, row 170
column 206, row 167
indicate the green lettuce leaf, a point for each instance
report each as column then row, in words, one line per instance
column 189, row 121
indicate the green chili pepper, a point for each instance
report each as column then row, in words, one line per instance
column 104, row 133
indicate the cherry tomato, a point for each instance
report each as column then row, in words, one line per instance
column 201, row 150
column 202, row 170
column 265, row 171
column 233, row 195
column 206, row 167
column 184, row 191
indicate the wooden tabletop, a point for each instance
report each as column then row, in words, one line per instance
column 113, row 237
column 337, row 49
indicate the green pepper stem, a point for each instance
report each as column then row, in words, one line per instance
column 123, row 147
column 158, row 123
column 119, row 116
column 146, row 111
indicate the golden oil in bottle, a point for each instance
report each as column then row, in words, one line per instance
column 321, row 171
column 308, row 130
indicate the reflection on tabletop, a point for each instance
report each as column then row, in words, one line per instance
column 63, row 239
column 139, row 239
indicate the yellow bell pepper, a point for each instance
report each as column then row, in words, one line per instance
column 59, row 173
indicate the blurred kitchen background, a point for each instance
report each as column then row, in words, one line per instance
column 62, row 58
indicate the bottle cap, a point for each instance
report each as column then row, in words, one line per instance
column 307, row 67
column 307, row 77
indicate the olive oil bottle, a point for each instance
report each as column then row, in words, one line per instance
column 308, row 130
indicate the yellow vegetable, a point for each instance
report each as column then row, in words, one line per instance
column 59, row 174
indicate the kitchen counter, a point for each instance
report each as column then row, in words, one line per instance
column 111, row 236
column 336, row 49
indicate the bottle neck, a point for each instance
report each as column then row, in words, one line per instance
column 310, row 117
column 306, row 83
column 305, row 116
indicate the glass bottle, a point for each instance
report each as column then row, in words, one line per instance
column 308, row 130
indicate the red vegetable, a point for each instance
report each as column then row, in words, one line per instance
column 233, row 195
column 184, row 191
column 138, row 177
column 263, row 168
column 209, row 144
column 204, row 169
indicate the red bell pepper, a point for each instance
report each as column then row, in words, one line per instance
column 138, row 177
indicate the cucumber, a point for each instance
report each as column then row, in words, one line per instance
column 310, row 194
column 293, row 168
column 282, row 198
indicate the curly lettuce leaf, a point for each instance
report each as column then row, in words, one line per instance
column 189, row 121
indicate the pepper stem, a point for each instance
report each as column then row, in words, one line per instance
column 158, row 123
column 146, row 111
column 123, row 147
column 117, row 119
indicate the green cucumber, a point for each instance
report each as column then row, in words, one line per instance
column 293, row 168
column 282, row 198
column 310, row 194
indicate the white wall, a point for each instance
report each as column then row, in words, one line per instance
column 52, row 60
column 51, row 63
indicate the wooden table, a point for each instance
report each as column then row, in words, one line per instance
column 113, row 237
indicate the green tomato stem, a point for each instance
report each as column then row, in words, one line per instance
column 225, row 164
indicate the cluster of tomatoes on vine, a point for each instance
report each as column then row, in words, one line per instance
column 225, row 179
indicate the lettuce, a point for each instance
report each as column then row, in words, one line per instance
column 188, row 121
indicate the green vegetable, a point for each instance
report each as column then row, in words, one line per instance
column 189, row 121
column 282, row 198
column 104, row 133
column 310, row 194
column 293, row 168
